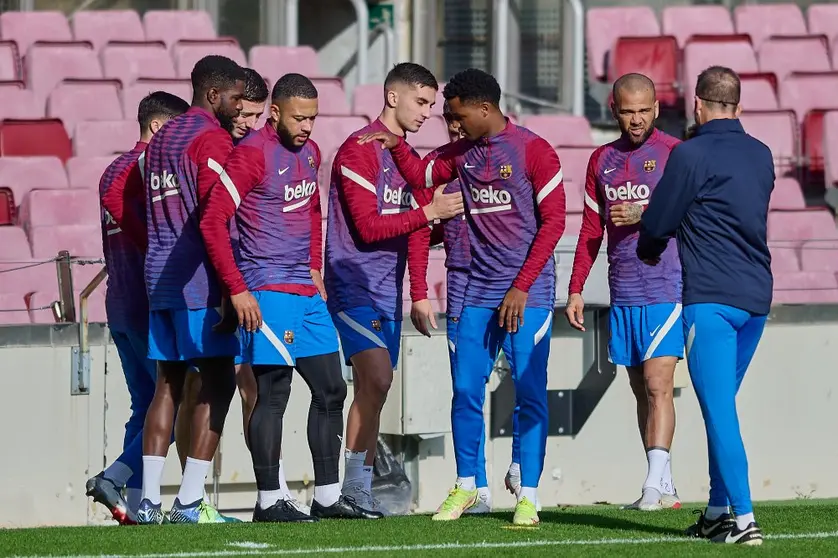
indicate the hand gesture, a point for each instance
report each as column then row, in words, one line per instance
column 388, row 140
column 575, row 311
column 444, row 206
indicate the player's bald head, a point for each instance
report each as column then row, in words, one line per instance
column 632, row 84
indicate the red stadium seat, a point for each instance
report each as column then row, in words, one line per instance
column 823, row 19
column 187, row 52
column 128, row 61
column 85, row 172
column 331, row 97
column 105, row 137
column 811, row 146
column 766, row 20
column 778, row 130
column 783, row 55
column 48, row 64
column 48, row 208
column 432, row 134
column 685, row 21
column 133, row 94
column 170, row 26
column 787, row 195
column 10, row 66
column 561, row 129
column 830, row 144
column 80, row 240
column 603, row 26
column 101, row 26
column 23, row 174
column 20, row 104
column 8, row 206
column 654, row 57
column 272, row 61
column 35, row 137
column 25, row 28
column 76, row 100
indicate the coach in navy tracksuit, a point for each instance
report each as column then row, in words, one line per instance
column 713, row 197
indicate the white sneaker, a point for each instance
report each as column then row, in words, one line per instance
column 513, row 485
column 299, row 506
column 364, row 499
column 650, row 500
column 483, row 504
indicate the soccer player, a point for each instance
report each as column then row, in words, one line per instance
column 713, row 198
column 127, row 312
column 515, row 204
column 182, row 162
column 253, row 104
column 645, row 314
column 371, row 213
column 270, row 185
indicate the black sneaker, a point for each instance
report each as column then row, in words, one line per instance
column 344, row 508
column 749, row 536
column 710, row 528
column 104, row 491
column 281, row 512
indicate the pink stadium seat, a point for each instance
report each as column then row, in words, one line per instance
column 9, row 61
column 561, row 129
column 764, row 20
column 27, row 27
column 14, row 309
column 85, row 172
column 99, row 27
column 133, row 94
column 433, row 133
column 80, row 240
column 784, row 258
column 48, row 208
column 23, row 174
column 603, row 26
column 574, row 162
column 830, row 143
column 777, row 130
column 170, row 26
column 736, row 53
column 331, row 131
column 684, row 21
column 48, row 64
column 758, row 92
column 105, row 137
column 438, row 105
column 783, row 55
column 331, row 97
column 20, row 103
column 35, row 137
column 787, row 195
column 796, row 227
column 823, row 19
column 805, row 287
column 367, row 100
column 819, row 256
column 76, row 100
column 13, row 245
column 802, row 92
column 573, row 224
column 187, row 52
column 655, row 57
column 275, row 61
column 575, row 196
column 128, row 61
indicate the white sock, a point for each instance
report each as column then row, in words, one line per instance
column 152, row 477
column 354, row 467
column 484, row 494
column 657, row 463
column 327, row 495
column 667, row 484
column 194, row 478
column 267, row 498
column 514, row 469
column 118, row 473
column 283, row 486
column 466, row 483
column 714, row 512
column 742, row 521
column 367, row 479
column 133, row 497
column 529, row 493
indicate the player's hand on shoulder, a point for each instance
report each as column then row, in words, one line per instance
column 317, row 277
column 626, row 214
column 388, row 140
column 422, row 313
column 247, row 310
column 444, row 206
column 575, row 311
column 511, row 311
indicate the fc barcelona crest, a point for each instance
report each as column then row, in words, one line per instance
column 289, row 337
column 649, row 166
column 376, row 325
column 311, row 161
column 505, row 171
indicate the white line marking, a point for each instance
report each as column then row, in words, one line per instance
column 249, row 544
column 442, row 546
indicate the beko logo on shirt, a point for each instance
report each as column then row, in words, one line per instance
column 167, row 182
column 498, row 200
column 302, row 190
column 400, row 197
column 627, row 192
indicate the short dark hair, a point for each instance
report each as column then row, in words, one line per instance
column 159, row 104
column 293, row 85
column 473, row 86
column 409, row 73
column 215, row 71
column 719, row 86
column 255, row 88
column 633, row 82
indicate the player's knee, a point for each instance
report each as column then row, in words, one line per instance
column 659, row 387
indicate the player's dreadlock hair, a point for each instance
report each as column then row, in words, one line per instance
column 293, row 85
column 473, row 86
column 409, row 73
column 215, row 71
column 159, row 104
column 255, row 88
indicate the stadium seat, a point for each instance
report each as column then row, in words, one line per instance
column 575, row 196
column 170, row 26
column 574, row 162
column 79, row 240
column 13, row 245
column 76, row 100
column 655, row 57
column 187, row 52
column 777, row 130
column 133, row 94
column 85, row 172
column 8, row 206
column 19, row 103
column 105, row 137
column 127, row 61
column 796, row 227
column 823, row 19
column 819, row 255
column 10, row 68
column 700, row 53
column 784, row 258
column 762, row 21
column 787, row 195
column 331, row 131
column 573, row 224
column 48, row 64
column 25, row 28
column 603, row 26
column 272, row 61
column 783, row 55
column 432, row 134
column 759, row 91
column 682, row 22
column 39, row 304
column 13, row 308
column 367, row 100
column 35, row 137
column 830, row 143
column 23, row 174
column 805, row 287
column 561, row 129
column 48, row 208
column 331, row 97
column 101, row 26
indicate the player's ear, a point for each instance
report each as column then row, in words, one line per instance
column 275, row 113
column 213, row 96
column 391, row 98
column 155, row 125
column 657, row 109
column 738, row 110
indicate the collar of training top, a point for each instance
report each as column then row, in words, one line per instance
column 500, row 136
column 721, row 126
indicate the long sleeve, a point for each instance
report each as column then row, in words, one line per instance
column 437, row 168
column 418, row 250
column 243, row 170
column 592, row 231
column 210, row 152
column 669, row 203
column 120, row 199
column 359, row 168
column 545, row 173
column 316, row 250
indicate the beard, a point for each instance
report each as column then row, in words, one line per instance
column 226, row 121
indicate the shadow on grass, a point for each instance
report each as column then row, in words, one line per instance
column 606, row 522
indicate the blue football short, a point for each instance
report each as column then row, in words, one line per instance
column 363, row 328
column 184, row 335
column 639, row 333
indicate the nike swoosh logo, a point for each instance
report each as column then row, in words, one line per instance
column 470, row 166
column 386, row 170
column 281, row 172
column 609, row 171
column 737, row 537
column 654, row 331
